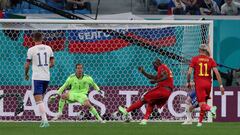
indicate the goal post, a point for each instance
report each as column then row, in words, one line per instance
column 110, row 51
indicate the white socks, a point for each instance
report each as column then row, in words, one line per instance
column 42, row 111
column 188, row 113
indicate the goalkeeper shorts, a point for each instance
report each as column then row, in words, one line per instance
column 77, row 97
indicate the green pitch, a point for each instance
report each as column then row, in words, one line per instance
column 119, row 128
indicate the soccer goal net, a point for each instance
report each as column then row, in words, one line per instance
column 111, row 52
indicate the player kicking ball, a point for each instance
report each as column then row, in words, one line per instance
column 158, row 95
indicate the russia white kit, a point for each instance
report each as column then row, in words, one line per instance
column 40, row 56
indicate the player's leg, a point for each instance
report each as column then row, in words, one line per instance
column 157, row 96
column 149, row 111
column 83, row 100
column 93, row 110
column 207, row 107
column 203, row 109
column 61, row 104
column 201, row 100
column 188, row 110
column 136, row 105
column 202, row 96
column 39, row 88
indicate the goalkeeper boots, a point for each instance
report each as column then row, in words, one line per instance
column 102, row 121
column 123, row 110
column 143, row 122
column 44, row 124
column 213, row 112
column 57, row 117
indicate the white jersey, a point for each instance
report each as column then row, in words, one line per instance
column 40, row 56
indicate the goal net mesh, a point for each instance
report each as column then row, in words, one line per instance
column 110, row 53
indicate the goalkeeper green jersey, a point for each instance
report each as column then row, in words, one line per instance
column 78, row 85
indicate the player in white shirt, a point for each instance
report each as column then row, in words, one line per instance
column 41, row 57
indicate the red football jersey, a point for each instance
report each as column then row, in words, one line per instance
column 202, row 66
column 168, row 82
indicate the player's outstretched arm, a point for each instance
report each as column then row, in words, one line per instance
column 59, row 92
column 95, row 86
column 64, row 86
column 149, row 76
column 219, row 80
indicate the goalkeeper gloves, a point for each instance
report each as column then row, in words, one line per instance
column 52, row 98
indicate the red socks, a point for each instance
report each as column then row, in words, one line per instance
column 135, row 105
column 148, row 111
column 204, row 108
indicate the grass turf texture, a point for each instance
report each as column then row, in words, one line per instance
column 119, row 128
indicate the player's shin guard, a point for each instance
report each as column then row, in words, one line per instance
column 135, row 105
column 95, row 113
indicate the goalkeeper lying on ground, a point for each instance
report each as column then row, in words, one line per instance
column 79, row 84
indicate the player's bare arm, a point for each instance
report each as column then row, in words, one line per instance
column 52, row 62
column 219, row 80
column 190, row 69
column 164, row 76
column 149, row 76
column 27, row 65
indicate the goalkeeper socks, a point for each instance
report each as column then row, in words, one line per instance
column 95, row 113
column 42, row 111
column 135, row 105
column 61, row 105
column 149, row 111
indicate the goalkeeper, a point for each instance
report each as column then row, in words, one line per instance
column 79, row 84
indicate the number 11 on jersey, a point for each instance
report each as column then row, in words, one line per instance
column 203, row 67
column 40, row 60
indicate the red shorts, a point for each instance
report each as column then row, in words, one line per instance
column 203, row 89
column 157, row 96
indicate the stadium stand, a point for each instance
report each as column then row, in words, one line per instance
column 23, row 7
